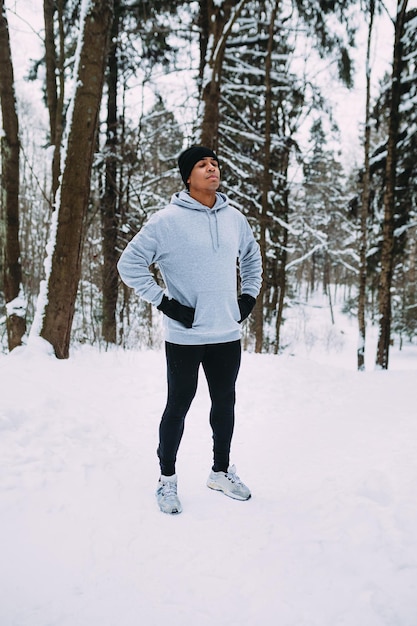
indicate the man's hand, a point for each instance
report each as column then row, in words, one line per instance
column 177, row 311
column 246, row 304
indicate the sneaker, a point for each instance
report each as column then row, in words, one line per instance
column 230, row 483
column 166, row 495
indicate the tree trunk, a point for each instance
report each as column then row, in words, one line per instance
column 67, row 241
column 50, row 65
column 108, row 202
column 366, row 188
column 218, row 18
column 266, row 181
column 282, row 285
column 54, row 90
column 387, row 254
column 282, row 282
column 12, row 270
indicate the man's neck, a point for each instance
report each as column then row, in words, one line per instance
column 207, row 198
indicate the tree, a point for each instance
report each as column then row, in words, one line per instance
column 108, row 204
column 403, row 287
column 55, row 310
column 260, row 100
column 365, row 199
column 138, row 23
column 387, row 252
column 217, row 20
column 267, row 170
column 55, row 82
column 150, row 178
column 323, row 221
column 10, row 150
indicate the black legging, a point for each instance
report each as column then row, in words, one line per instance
column 221, row 362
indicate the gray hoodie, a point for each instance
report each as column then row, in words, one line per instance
column 197, row 250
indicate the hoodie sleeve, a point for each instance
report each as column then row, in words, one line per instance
column 250, row 262
column 133, row 265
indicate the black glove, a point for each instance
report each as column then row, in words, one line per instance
column 246, row 304
column 177, row 311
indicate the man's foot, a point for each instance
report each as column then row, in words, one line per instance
column 166, row 495
column 230, row 483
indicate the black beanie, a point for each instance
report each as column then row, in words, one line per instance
column 190, row 157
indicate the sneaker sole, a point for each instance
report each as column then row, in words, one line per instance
column 173, row 512
column 230, row 494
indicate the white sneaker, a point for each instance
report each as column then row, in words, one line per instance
column 166, row 495
column 230, row 483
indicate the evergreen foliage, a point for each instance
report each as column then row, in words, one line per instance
column 302, row 205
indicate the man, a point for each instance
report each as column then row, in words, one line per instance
column 197, row 241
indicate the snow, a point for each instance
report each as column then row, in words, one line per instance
column 17, row 306
column 329, row 537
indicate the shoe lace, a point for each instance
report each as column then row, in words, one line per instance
column 231, row 475
column 169, row 489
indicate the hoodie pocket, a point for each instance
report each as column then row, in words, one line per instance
column 216, row 311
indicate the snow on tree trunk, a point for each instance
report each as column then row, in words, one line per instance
column 56, row 303
column 9, row 204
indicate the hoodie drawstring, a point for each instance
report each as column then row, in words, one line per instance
column 214, row 228
column 184, row 200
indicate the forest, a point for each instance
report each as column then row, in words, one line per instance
column 75, row 191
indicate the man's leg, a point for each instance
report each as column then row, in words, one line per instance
column 182, row 373
column 221, row 363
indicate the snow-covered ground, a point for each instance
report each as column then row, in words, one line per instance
column 329, row 537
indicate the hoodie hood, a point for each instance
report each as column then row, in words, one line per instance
column 185, row 201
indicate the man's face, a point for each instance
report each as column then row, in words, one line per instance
column 205, row 175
